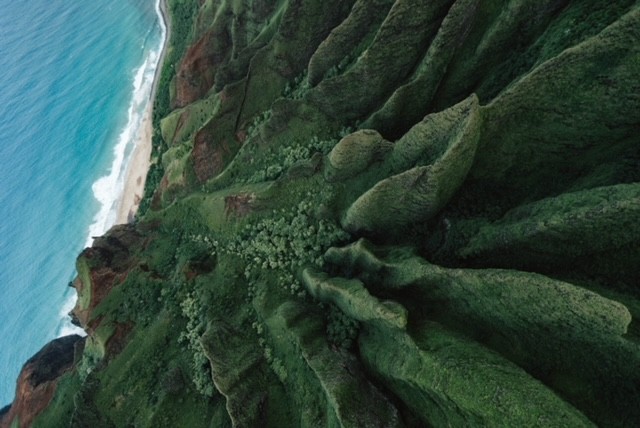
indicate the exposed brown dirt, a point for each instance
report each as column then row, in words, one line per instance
column 38, row 380
column 197, row 70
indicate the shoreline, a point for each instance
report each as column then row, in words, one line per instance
column 123, row 208
column 140, row 161
column 164, row 15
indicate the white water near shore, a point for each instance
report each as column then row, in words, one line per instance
column 109, row 190
column 119, row 192
column 138, row 166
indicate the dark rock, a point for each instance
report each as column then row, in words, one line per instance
column 38, row 380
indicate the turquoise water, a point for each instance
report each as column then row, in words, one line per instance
column 75, row 78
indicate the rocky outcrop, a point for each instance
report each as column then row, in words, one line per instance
column 39, row 378
column 100, row 268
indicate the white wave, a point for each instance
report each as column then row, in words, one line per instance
column 108, row 190
column 163, row 24
column 66, row 327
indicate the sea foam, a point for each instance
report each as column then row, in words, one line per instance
column 108, row 189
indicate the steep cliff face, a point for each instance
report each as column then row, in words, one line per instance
column 38, row 380
column 377, row 213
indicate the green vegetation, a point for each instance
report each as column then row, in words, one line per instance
column 181, row 15
column 376, row 213
column 191, row 336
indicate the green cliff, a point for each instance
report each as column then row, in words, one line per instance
column 375, row 213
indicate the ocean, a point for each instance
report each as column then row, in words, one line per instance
column 75, row 78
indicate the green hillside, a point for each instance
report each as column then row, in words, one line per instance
column 369, row 213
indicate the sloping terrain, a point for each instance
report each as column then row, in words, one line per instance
column 376, row 213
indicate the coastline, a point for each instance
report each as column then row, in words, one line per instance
column 136, row 172
column 115, row 192
column 140, row 162
column 166, row 22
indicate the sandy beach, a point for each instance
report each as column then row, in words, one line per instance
column 141, row 158
column 137, row 172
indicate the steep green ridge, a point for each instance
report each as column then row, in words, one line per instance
column 377, row 213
